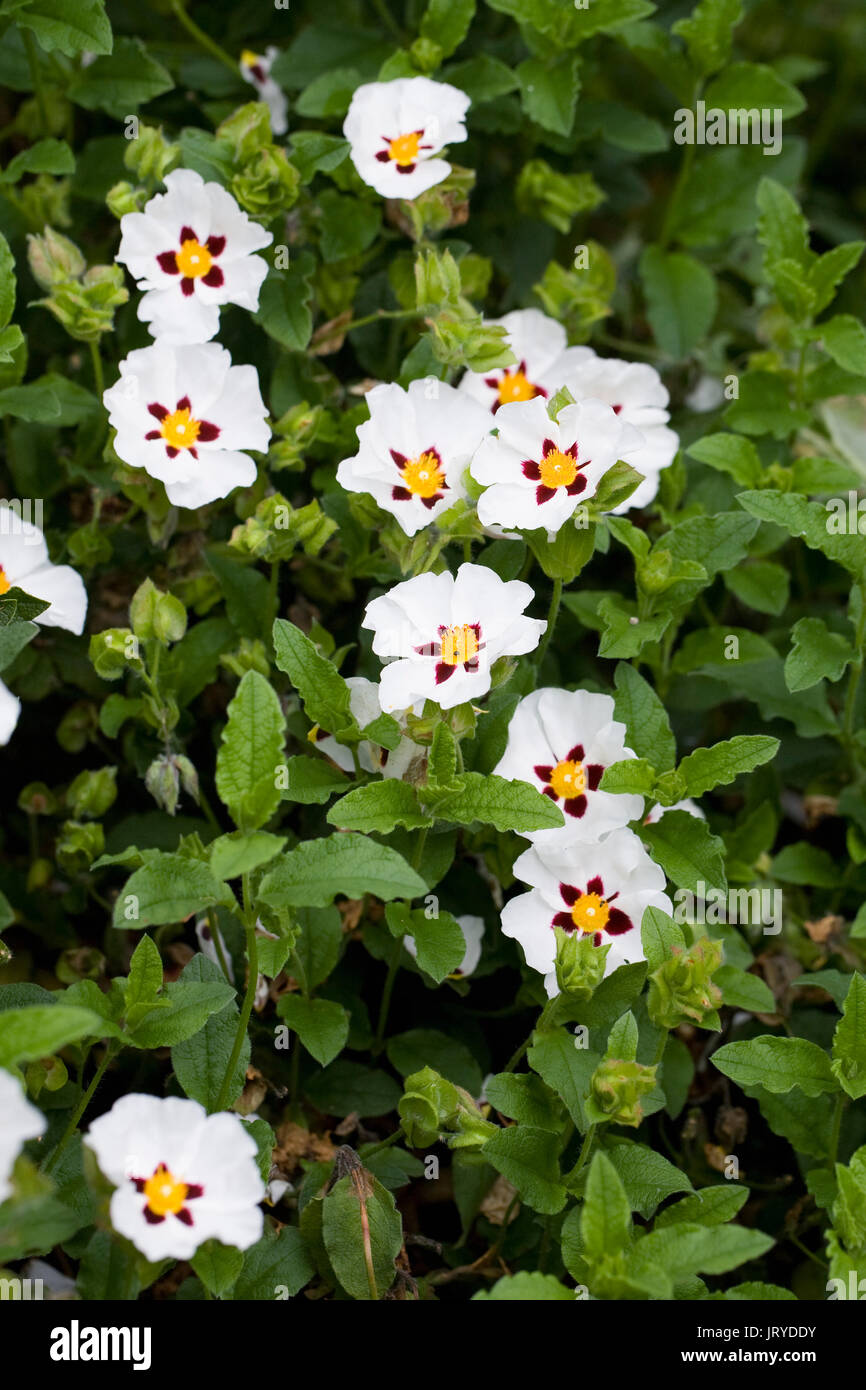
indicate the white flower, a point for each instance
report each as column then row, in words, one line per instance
column 599, row 889
column 473, row 935
column 184, row 414
column 191, row 250
column 397, row 128
column 414, row 450
column 208, row 946
column 181, row 1176
column 561, row 741
column 10, row 713
column 256, row 69
column 24, row 564
column 688, row 805
column 21, row 1121
column 538, row 471
column 638, row 395
column 444, row 634
column 364, row 704
column 538, row 343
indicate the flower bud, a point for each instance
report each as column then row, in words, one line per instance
column 579, row 964
column 54, row 259
column 681, row 990
column 92, row 793
column 615, row 1091
column 78, row 844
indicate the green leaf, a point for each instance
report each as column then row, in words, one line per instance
column 687, row 850
column 681, row 299
column 446, row 23
column 312, row 781
column 805, row 863
column 34, row 1225
column 410, row 1052
column 379, row 806
column 439, row 940
column 346, row 1088
column 69, row 27
column 250, row 753
column 686, row 1249
column 812, row 521
column 41, row 1030
column 315, row 872
column 708, row 33
column 496, row 801
column 45, row 157
column 849, row 1041
column 712, row 1206
column 633, row 775
column 777, row 1064
column 566, row 1068
column 319, row 941
column 648, row 1177
column 347, row 226
column 145, row 975
column 729, row 453
column 7, row 289
column 363, row 1234
column 121, row 83
column 321, row 1025
column 525, row 1098
column 660, row 937
column 549, row 91
column 707, row 768
column 18, row 607
column 648, row 730
column 605, row 1222
column 218, row 1267
column 844, row 338
column 761, row 585
column 280, row 1260
column 13, row 639
column 741, row 990
column 318, row 682
column 200, row 1060
column 190, row 1005
column 527, row 1159
column 237, row 854
column 169, row 888
column 284, row 303
column 527, row 1286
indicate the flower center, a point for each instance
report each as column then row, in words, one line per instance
column 422, row 476
column 568, row 779
column 590, row 913
column 459, row 644
column 403, row 149
column 516, row 386
column 165, row 1193
column 5, row 585
column 179, row 429
column 193, row 259
column 558, row 469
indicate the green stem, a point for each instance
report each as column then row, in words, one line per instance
column 394, row 962
column 837, row 1128
column 98, row 377
column 36, row 74
column 216, row 938
column 552, row 615
column 204, row 40
column 381, row 314
column 383, row 1144
column 274, row 592
column 80, row 1108
column 677, row 192
column 388, row 19
column 249, row 996
column 584, row 1153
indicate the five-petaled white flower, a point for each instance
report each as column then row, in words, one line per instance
column 256, row 69
column 561, row 741
column 191, row 250
column 414, row 450
column 637, row 394
column 364, row 704
column 473, row 934
column 396, row 129
column 21, row 1121
column 181, row 1176
column 24, row 564
column 538, row 343
column 443, row 634
column 601, row 890
column 184, row 414
column 537, row 471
